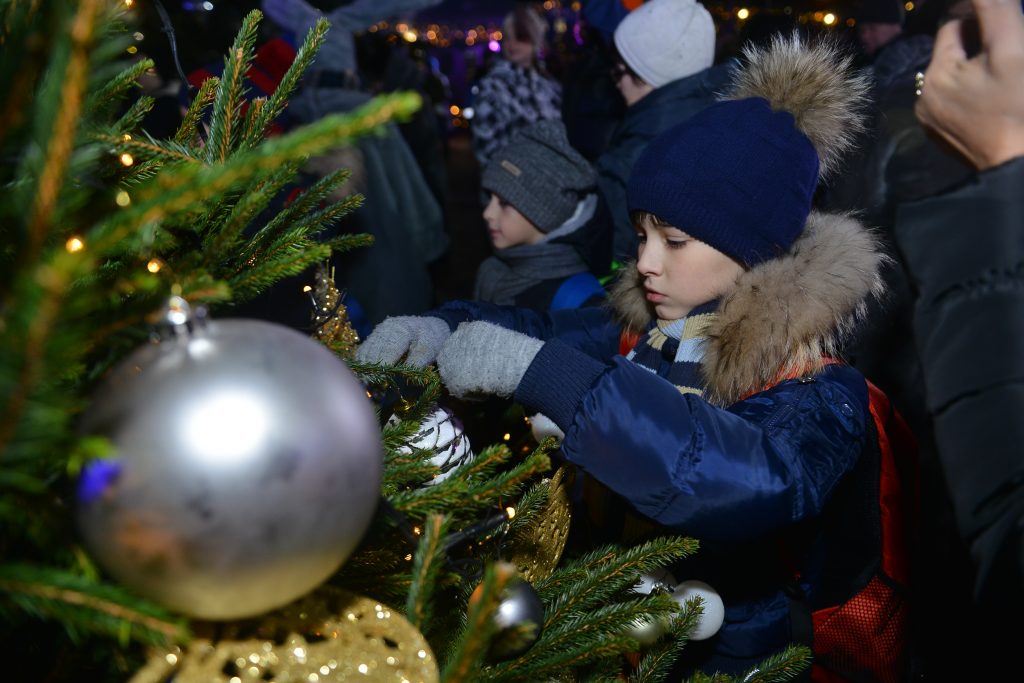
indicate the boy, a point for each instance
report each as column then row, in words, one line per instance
column 728, row 419
column 542, row 218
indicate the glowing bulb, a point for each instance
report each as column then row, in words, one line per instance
column 131, row 49
column 74, row 245
column 743, row 13
column 126, row 137
column 909, row 7
column 416, row 530
column 494, row 46
column 307, row 288
column 829, row 19
column 154, row 266
column 123, row 199
column 454, row 109
column 127, row 159
column 507, row 436
column 511, row 512
column 410, row 36
column 129, row 3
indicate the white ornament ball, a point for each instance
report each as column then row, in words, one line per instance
column 247, row 468
column 543, row 426
column 714, row 610
column 441, row 434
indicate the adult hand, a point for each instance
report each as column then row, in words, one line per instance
column 976, row 103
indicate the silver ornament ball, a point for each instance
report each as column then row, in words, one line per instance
column 518, row 620
column 246, row 468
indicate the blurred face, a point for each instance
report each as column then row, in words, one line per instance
column 874, row 35
column 519, row 52
column 679, row 272
column 507, row 227
column 631, row 88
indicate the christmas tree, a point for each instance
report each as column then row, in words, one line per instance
column 111, row 235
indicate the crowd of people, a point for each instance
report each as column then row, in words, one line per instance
column 705, row 256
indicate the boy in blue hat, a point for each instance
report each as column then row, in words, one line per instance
column 728, row 419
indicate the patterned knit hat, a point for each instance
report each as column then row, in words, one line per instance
column 540, row 174
column 741, row 174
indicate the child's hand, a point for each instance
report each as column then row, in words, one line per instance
column 484, row 358
column 976, row 102
column 418, row 338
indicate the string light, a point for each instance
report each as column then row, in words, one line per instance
column 511, row 512
column 127, row 159
column 743, row 13
column 507, row 436
column 829, row 19
column 129, row 3
column 123, row 199
column 154, row 266
column 74, row 245
column 909, row 7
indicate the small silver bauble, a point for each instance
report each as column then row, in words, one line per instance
column 518, row 620
column 247, row 467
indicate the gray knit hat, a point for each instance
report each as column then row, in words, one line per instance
column 540, row 174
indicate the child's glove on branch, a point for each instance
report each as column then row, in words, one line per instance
column 419, row 338
column 484, row 358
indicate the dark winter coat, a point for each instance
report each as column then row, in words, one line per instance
column 663, row 108
column 744, row 467
column 965, row 252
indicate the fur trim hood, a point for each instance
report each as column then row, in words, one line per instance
column 783, row 316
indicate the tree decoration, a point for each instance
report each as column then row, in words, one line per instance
column 331, row 324
column 246, row 466
column 330, row 635
column 536, row 548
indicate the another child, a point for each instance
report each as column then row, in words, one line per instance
column 542, row 219
column 728, row 419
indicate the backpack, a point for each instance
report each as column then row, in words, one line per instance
column 859, row 624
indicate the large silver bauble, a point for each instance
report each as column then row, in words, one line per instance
column 247, row 468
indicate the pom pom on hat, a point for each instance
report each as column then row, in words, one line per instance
column 540, row 174
column 665, row 40
column 741, row 174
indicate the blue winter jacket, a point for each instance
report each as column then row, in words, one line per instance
column 745, row 475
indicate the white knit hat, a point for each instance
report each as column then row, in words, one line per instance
column 664, row 40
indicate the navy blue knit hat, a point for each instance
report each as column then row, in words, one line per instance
column 741, row 174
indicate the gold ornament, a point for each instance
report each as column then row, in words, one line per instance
column 537, row 548
column 330, row 635
column 330, row 317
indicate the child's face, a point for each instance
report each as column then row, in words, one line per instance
column 507, row 227
column 680, row 272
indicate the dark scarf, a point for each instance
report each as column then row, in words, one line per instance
column 512, row 271
column 673, row 349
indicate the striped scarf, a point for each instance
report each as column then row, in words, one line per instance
column 673, row 349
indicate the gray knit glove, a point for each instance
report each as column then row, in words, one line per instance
column 418, row 338
column 484, row 358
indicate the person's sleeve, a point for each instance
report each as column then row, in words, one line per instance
column 720, row 474
column 592, row 330
column 965, row 252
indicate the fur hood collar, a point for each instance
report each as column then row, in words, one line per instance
column 784, row 315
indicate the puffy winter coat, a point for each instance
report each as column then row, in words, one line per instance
column 746, row 468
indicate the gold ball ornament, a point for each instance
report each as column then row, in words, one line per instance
column 536, row 549
column 331, row 635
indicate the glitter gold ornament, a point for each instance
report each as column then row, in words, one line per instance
column 246, row 468
column 331, row 323
column 330, row 635
column 537, row 548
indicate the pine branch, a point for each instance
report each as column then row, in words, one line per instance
column 188, row 131
column 227, row 103
column 75, row 600
column 119, row 85
column 785, row 666
column 279, row 99
column 218, row 246
column 475, row 639
column 296, row 259
column 74, row 79
column 188, row 186
column 427, row 565
column 658, row 659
